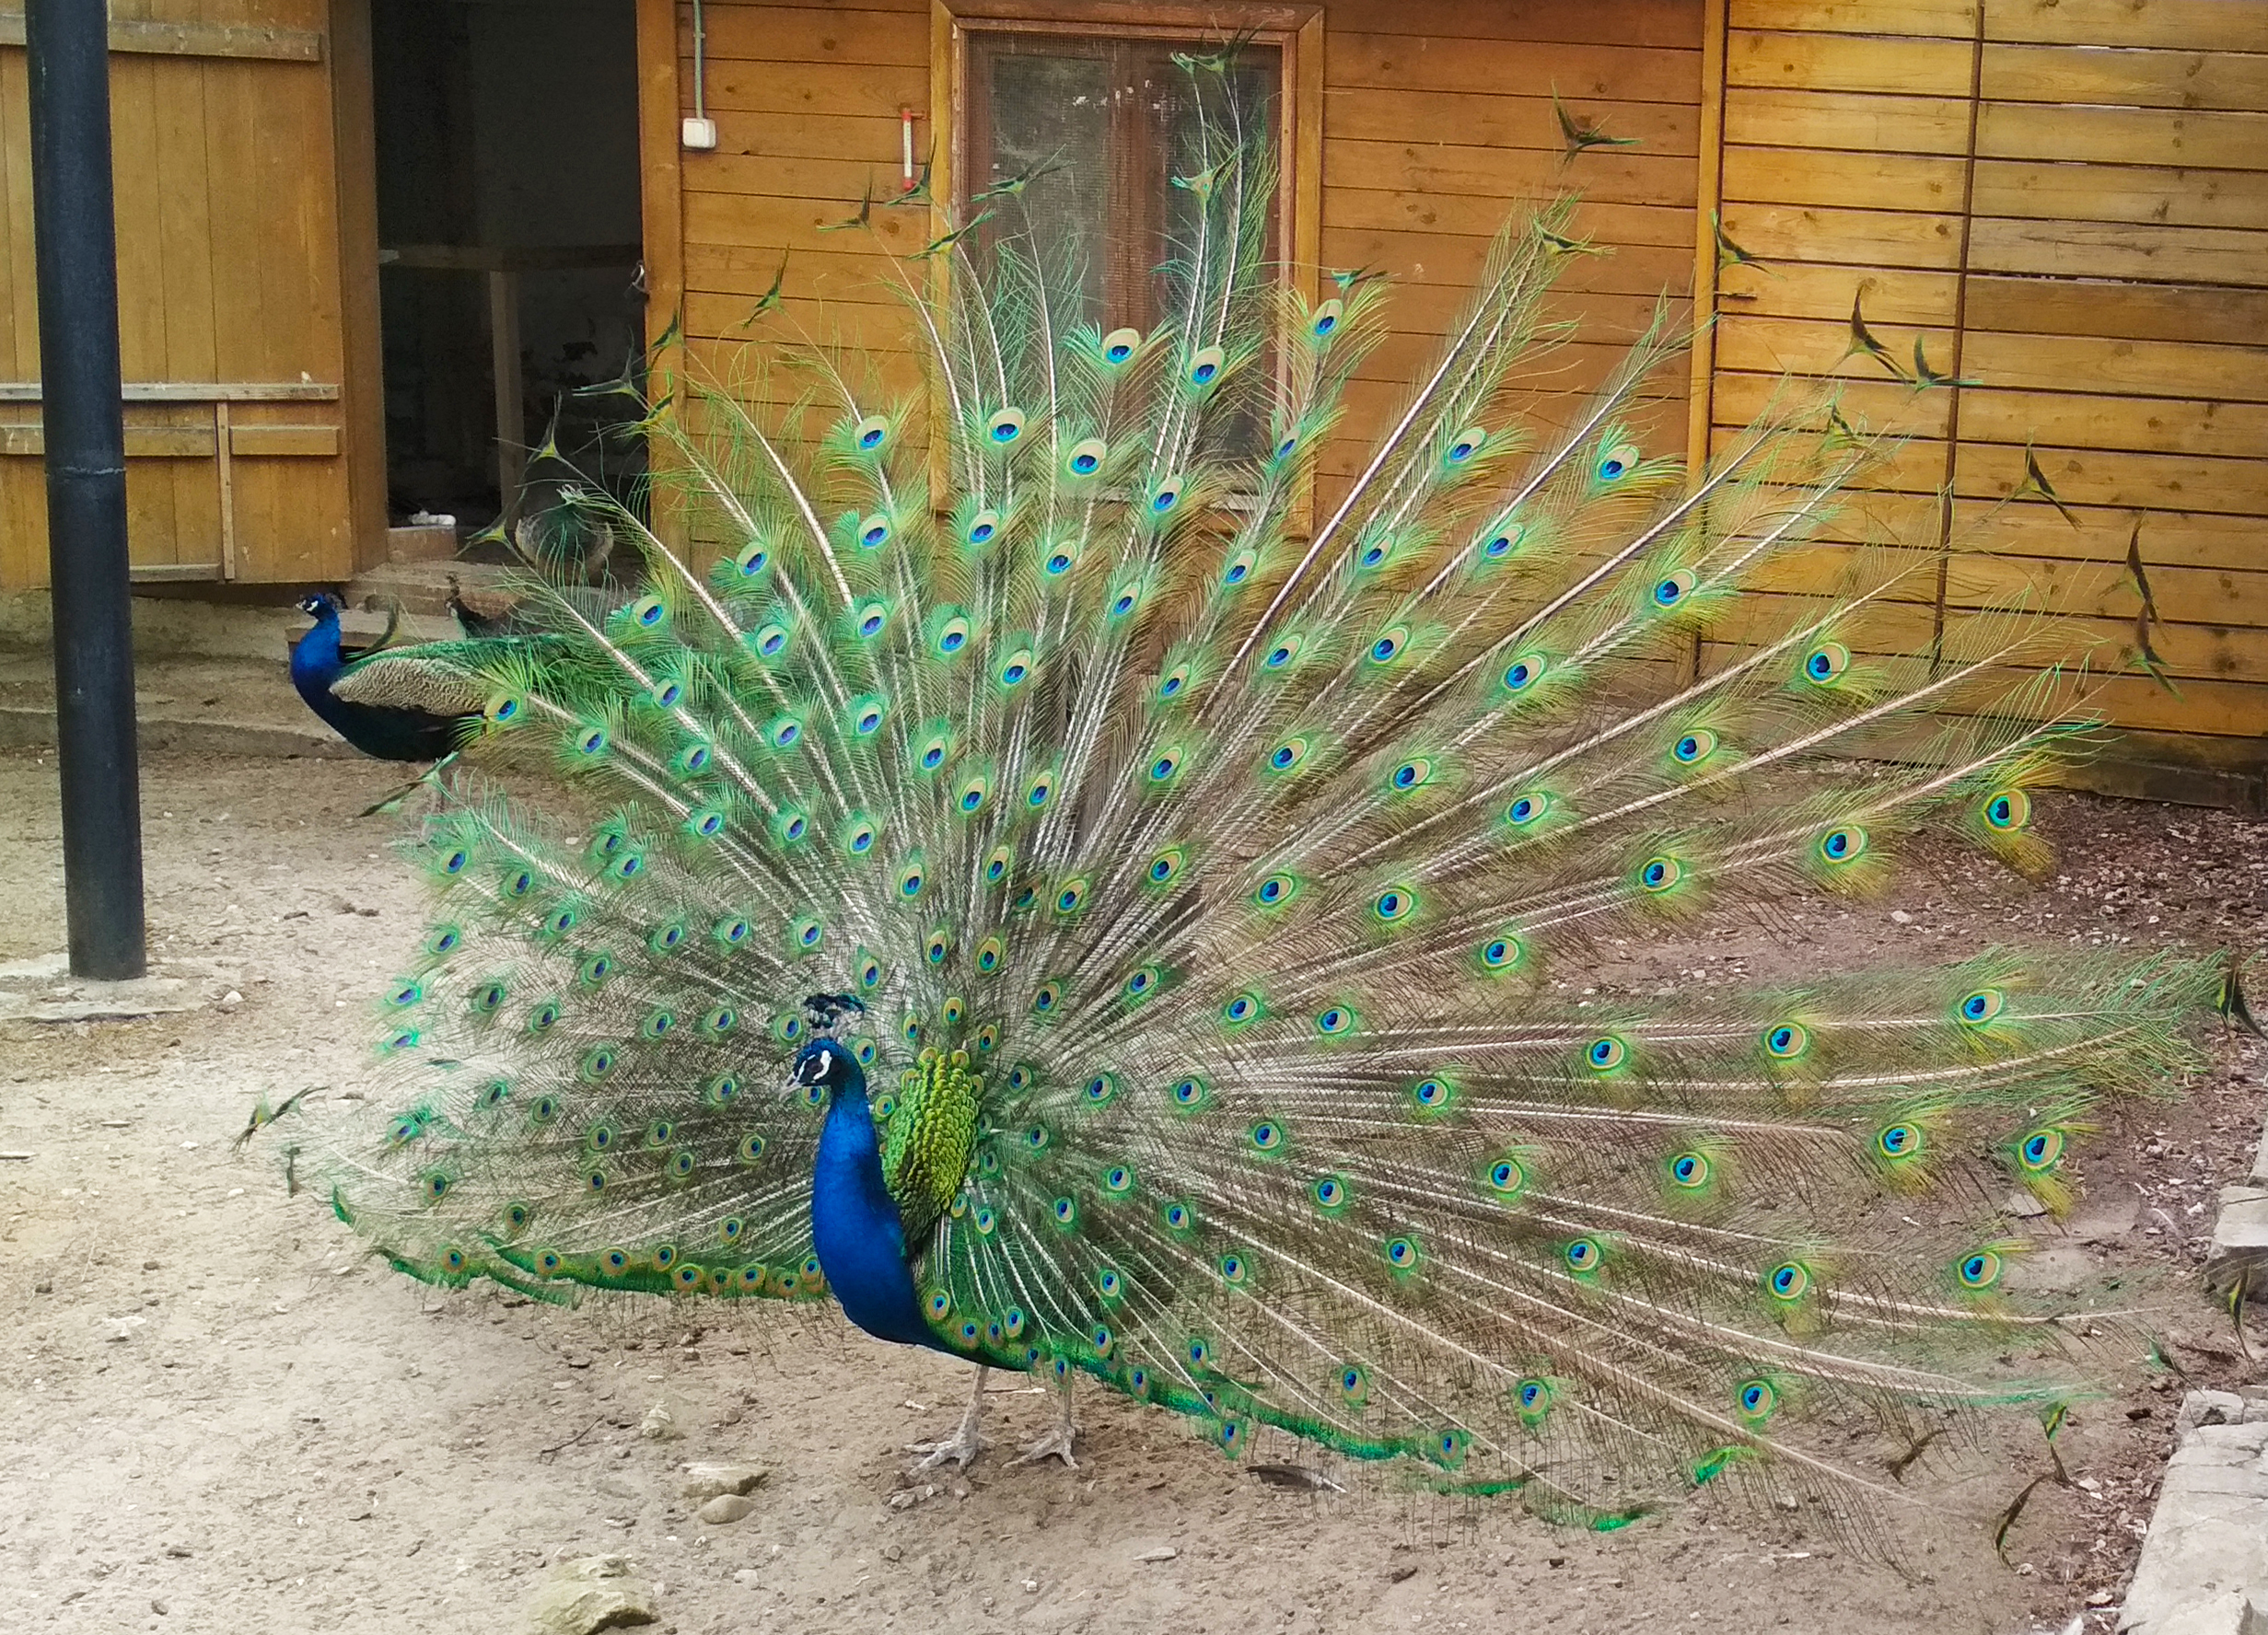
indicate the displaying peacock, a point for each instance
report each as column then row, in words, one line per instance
column 1079, row 890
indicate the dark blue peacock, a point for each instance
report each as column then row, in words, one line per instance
column 388, row 731
column 1047, row 888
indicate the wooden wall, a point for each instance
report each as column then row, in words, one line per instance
column 1438, row 122
column 241, row 421
column 2066, row 202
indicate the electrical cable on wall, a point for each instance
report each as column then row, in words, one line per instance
column 700, row 129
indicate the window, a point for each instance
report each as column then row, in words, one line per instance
column 1108, row 124
column 1028, row 86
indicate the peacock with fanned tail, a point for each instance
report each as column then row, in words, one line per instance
column 1084, row 903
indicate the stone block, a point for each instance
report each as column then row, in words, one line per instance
column 2204, row 1569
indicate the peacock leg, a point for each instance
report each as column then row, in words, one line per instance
column 964, row 1445
column 1057, row 1443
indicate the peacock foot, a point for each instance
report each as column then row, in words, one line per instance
column 959, row 1449
column 963, row 1445
column 1055, row 1444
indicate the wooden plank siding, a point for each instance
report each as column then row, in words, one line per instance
column 1437, row 123
column 231, row 146
column 2065, row 203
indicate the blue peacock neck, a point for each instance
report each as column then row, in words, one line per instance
column 320, row 647
column 315, row 662
column 855, row 1224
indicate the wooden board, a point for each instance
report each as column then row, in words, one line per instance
column 1854, row 238
column 1415, row 62
column 1797, row 289
column 1508, row 118
column 2143, row 426
column 2220, row 597
column 2199, row 198
column 229, row 252
column 2142, row 368
column 1621, row 176
column 2099, row 249
column 1873, row 406
column 2092, row 73
column 897, row 39
column 2213, row 315
column 1673, row 23
column 2184, row 482
column 1663, row 227
column 2178, row 24
column 1789, row 61
column 2222, row 544
column 1869, row 180
column 1808, row 346
column 1951, row 20
column 1848, row 121
column 2122, row 136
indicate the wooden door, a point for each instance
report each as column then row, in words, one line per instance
column 247, row 457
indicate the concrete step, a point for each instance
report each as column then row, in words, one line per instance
column 421, row 544
column 30, row 728
column 228, row 706
column 2204, row 1569
column 424, row 587
column 2239, row 1252
column 362, row 626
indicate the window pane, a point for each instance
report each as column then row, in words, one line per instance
column 1185, row 114
column 1039, row 102
column 1121, row 119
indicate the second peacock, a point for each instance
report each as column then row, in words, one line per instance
column 1079, row 882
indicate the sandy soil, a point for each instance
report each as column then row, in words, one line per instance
column 223, row 1417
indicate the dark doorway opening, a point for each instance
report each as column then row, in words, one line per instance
column 509, row 221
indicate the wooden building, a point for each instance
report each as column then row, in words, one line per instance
column 2063, row 204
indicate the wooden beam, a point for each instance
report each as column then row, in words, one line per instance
column 661, row 200
column 354, row 123
column 223, row 446
column 176, row 572
column 197, row 391
column 662, row 164
column 1708, row 195
column 196, row 40
column 142, row 442
column 486, row 257
column 511, row 408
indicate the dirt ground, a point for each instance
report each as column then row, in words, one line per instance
column 221, row 1416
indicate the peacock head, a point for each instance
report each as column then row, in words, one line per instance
column 320, row 605
column 828, row 1064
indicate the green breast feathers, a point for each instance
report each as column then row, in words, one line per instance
column 928, row 1134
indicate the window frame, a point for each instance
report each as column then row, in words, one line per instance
column 1293, row 28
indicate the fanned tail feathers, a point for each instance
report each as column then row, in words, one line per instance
column 1233, row 851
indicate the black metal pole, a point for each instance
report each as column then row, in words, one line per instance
column 69, row 54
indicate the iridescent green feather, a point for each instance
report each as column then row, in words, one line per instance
column 1204, row 865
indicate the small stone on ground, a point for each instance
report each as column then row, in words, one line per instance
column 590, row 1594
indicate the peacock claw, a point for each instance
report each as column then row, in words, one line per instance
column 1055, row 1444
column 957, row 1450
column 965, row 1443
